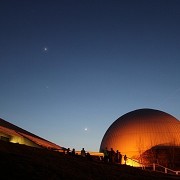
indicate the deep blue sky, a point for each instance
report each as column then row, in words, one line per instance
column 104, row 58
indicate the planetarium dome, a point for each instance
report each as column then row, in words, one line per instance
column 139, row 131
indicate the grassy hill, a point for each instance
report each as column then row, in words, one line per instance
column 23, row 162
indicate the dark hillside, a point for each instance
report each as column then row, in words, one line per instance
column 23, row 162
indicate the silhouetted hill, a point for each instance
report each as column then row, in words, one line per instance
column 23, row 162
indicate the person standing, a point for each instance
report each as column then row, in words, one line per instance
column 120, row 158
column 112, row 156
column 83, row 152
column 73, row 153
column 106, row 155
column 117, row 156
column 68, row 151
column 125, row 159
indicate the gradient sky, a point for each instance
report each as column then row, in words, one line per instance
column 67, row 65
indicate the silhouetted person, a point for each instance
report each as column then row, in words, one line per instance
column 106, row 155
column 73, row 153
column 112, row 156
column 117, row 156
column 88, row 156
column 68, row 151
column 120, row 158
column 125, row 159
column 83, row 152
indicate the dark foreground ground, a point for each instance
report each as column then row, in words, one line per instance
column 22, row 162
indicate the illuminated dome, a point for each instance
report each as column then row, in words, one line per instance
column 138, row 131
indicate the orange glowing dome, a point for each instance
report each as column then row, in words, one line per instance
column 137, row 131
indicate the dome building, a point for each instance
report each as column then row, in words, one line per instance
column 145, row 136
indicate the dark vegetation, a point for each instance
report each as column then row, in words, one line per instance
column 23, row 162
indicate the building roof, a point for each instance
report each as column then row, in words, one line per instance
column 13, row 130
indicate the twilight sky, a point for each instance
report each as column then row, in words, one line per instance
column 70, row 68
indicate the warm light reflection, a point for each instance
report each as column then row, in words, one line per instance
column 92, row 153
column 16, row 139
column 133, row 163
column 135, row 132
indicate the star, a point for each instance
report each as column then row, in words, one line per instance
column 45, row 49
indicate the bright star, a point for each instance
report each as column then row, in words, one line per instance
column 45, row 49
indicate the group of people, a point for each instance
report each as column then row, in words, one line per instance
column 110, row 156
column 113, row 157
column 83, row 153
column 69, row 152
